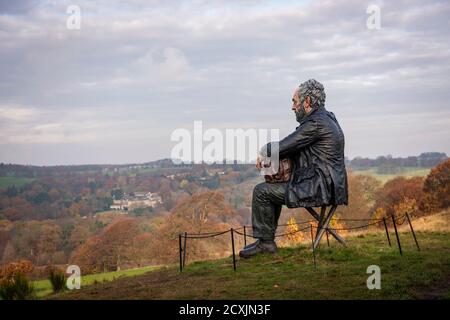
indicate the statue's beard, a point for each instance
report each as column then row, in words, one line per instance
column 300, row 114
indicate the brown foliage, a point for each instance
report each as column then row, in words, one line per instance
column 108, row 250
column 12, row 269
column 203, row 212
column 437, row 188
column 398, row 194
column 361, row 191
column 202, row 207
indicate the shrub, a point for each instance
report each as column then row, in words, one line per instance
column 9, row 270
column 398, row 196
column 437, row 188
column 58, row 279
column 16, row 288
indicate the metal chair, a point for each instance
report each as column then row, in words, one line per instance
column 323, row 221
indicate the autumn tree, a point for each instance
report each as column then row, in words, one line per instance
column 48, row 242
column 399, row 194
column 294, row 236
column 437, row 188
column 202, row 212
column 107, row 251
column 361, row 192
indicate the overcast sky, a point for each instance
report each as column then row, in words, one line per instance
column 113, row 91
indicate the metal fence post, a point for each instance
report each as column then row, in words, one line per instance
column 181, row 259
column 396, row 234
column 245, row 237
column 312, row 243
column 232, row 244
column 387, row 232
column 412, row 230
column 184, row 249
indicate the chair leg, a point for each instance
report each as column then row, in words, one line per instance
column 321, row 230
column 323, row 210
column 331, row 231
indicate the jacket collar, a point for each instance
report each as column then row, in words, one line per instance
column 318, row 110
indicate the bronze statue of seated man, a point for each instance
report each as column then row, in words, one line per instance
column 319, row 178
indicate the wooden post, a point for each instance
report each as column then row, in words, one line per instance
column 396, row 234
column 412, row 230
column 328, row 240
column 387, row 232
column 232, row 245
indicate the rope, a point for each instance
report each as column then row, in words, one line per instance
column 276, row 236
column 215, row 234
column 398, row 219
column 296, row 223
column 203, row 236
column 205, row 233
column 247, row 235
column 287, row 234
column 349, row 228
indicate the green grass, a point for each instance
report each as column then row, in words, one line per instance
column 44, row 288
column 407, row 172
column 6, row 182
column 99, row 213
column 290, row 274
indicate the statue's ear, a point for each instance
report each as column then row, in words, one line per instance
column 308, row 101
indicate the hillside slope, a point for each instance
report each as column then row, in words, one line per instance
column 290, row 274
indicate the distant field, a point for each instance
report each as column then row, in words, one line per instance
column 110, row 212
column 407, row 172
column 44, row 288
column 133, row 172
column 6, row 182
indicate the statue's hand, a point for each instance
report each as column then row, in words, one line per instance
column 258, row 163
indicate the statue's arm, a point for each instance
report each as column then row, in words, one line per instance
column 303, row 136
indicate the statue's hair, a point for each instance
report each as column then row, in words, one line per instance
column 315, row 91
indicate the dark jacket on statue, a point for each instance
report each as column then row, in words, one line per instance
column 316, row 148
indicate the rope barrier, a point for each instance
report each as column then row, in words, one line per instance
column 276, row 236
column 294, row 232
column 296, row 223
column 206, row 235
column 398, row 219
column 218, row 233
column 374, row 222
column 203, row 236
column 349, row 228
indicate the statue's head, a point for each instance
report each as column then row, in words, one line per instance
column 310, row 95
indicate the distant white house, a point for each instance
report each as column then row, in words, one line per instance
column 115, row 205
column 138, row 200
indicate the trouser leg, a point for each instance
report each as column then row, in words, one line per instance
column 267, row 201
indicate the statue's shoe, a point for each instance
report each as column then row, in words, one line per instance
column 255, row 243
column 258, row 247
column 252, row 244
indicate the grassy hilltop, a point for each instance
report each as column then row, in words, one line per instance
column 290, row 274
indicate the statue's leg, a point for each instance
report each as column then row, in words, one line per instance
column 267, row 201
column 277, row 215
column 266, row 208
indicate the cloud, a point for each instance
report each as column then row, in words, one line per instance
column 15, row 113
column 137, row 70
column 17, row 6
